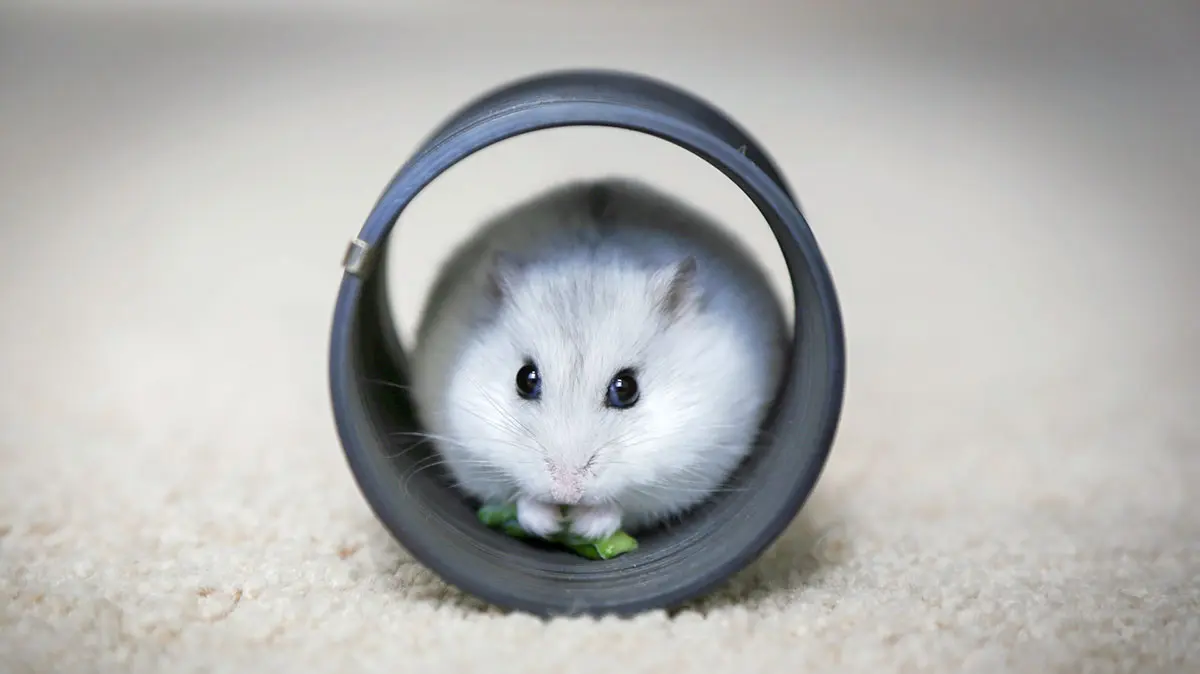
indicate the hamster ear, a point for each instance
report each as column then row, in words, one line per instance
column 676, row 287
column 504, row 269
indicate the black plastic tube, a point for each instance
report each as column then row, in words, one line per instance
column 680, row 562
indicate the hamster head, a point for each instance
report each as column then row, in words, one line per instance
column 599, row 383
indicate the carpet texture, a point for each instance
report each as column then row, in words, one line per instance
column 1006, row 197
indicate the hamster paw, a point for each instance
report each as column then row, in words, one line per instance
column 539, row 519
column 595, row 522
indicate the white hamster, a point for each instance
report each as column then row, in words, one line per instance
column 600, row 346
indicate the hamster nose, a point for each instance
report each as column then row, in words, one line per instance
column 566, row 485
column 566, row 493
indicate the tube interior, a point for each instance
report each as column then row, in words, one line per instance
column 438, row 525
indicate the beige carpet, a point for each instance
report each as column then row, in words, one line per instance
column 1007, row 198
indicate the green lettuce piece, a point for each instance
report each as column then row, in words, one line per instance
column 504, row 518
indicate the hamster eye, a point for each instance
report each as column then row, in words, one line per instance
column 623, row 390
column 529, row 382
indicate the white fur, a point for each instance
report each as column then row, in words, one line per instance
column 584, row 304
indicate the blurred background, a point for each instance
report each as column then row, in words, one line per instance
column 1006, row 193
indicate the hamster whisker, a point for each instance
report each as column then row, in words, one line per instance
column 426, row 437
column 503, row 425
column 413, row 447
column 513, row 425
column 663, row 487
column 406, row 450
column 698, row 472
column 672, row 489
column 492, row 423
column 422, row 465
column 436, row 461
column 517, row 423
column 464, row 443
column 389, row 384
column 424, row 441
column 480, row 464
column 650, row 439
column 698, row 486
column 500, row 408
